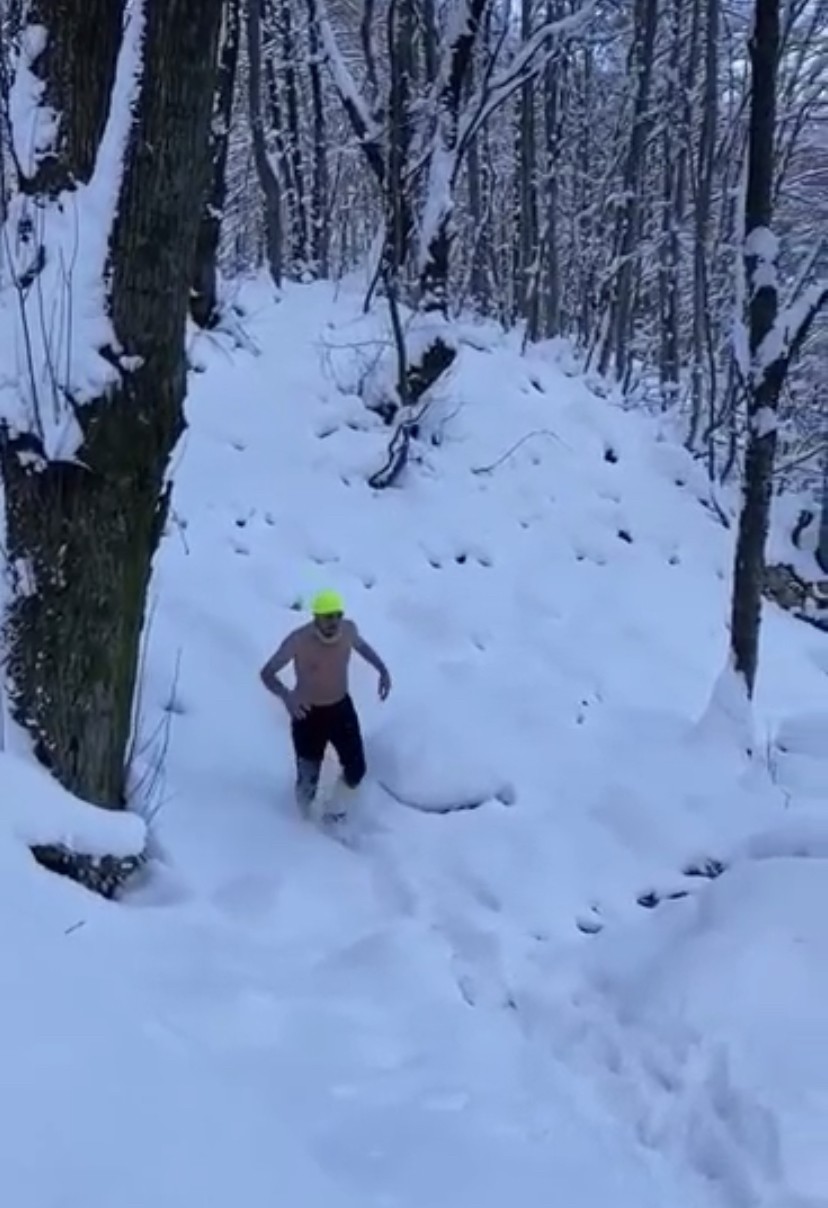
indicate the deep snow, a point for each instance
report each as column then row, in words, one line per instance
column 467, row 1007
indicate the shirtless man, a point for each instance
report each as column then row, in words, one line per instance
column 320, row 705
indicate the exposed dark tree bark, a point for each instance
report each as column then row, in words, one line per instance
column 401, row 69
column 82, row 535
column 283, row 91
column 674, row 137
column 769, row 358
column 204, row 304
column 78, row 67
column 268, row 182
column 553, row 96
column 526, row 209
column 320, row 200
column 703, row 197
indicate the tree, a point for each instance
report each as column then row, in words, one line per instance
column 269, row 184
column 205, row 303
column 447, row 118
column 84, row 462
column 773, row 338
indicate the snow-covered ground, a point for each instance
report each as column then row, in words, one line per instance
column 464, row 1006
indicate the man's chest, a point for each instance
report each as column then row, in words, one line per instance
column 317, row 661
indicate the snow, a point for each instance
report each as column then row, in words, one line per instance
column 33, row 124
column 470, row 1002
column 60, row 817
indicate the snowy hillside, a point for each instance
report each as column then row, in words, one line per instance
column 525, row 982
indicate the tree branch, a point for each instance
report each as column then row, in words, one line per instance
column 366, row 129
column 525, row 66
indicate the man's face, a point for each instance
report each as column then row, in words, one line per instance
column 329, row 625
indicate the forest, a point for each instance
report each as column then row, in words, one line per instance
column 645, row 179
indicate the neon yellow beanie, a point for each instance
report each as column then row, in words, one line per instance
column 326, row 603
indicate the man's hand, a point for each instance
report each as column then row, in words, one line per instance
column 295, row 706
column 384, row 685
column 373, row 660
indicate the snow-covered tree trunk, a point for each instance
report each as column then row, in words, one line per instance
column 437, row 225
column 80, row 41
column 204, row 303
column 773, row 339
column 83, row 519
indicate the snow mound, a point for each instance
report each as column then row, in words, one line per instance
column 38, row 812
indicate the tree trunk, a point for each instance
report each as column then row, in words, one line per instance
column 204, row 303
column 81, row 535
column 705, row 178
column 320, row 218
column 764, row 383
column 774, row 340
column 478, row 277
column 398, row 219
column 529, row 235
column 673, row 141
column 78, row 68
column 280, row 64
column 268, row 183
column 435, row 259
column 554, row 93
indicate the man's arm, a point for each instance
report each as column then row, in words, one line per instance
column 369, row 654
column 373, row 660
column 276, row 663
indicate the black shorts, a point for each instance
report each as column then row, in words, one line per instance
column 335, row 724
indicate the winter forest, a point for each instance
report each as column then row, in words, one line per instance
column 647, row 179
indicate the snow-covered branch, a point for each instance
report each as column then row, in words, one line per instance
column 367, row 131
column 791, row 329
column 526, row 65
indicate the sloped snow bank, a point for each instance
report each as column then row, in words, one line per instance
column 719, row 1022
column 37, row 812
column 99, row 848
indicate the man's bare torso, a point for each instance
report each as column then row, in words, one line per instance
column 321, row 667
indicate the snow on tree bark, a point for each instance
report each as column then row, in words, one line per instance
column 77, row 65
column 81, row 533
column 773, row 340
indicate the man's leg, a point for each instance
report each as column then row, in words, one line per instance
column 346, row 739
column 309, row 742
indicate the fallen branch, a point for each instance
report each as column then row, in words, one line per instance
column 529, row 435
